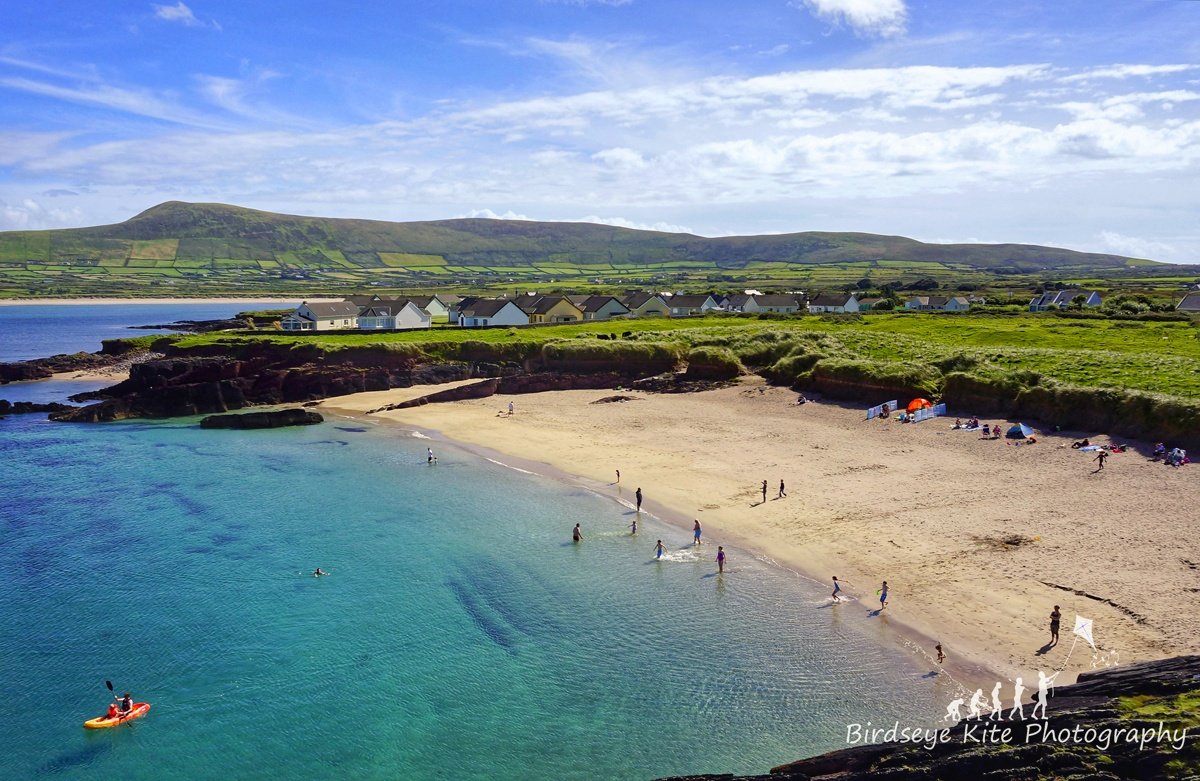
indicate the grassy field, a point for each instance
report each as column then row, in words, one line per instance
column 1155, row 357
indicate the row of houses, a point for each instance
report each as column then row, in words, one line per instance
column 381, row 313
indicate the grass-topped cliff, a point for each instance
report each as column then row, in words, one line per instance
column 194, row 248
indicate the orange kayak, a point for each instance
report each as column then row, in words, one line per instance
column 100, row 722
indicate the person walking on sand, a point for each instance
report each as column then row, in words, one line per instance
column 659, row 550
column 638, row 496
column 837, row 589
column 1055, row 619
column 696, row 532
column 1102, row 456
column 510, row 409
column 883, row 595
column 764, row 490
column 782, row 493
column 941, row 656
column 576, row 534
column 618, row 475
column 720, row 559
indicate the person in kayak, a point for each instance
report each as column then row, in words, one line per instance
column 124, row 704
column 112, row 711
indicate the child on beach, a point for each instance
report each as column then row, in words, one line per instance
column 1055, row 618
column 883, row 595
column 837, row 589
column 633, row 526
column 720, row 558
column 764, row 490
column 941, row 657
column 696, row 531
column 659, row 550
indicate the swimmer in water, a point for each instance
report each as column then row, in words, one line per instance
column 319, row 572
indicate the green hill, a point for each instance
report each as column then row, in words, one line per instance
column 210, row 247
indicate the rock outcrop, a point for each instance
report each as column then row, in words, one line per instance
column 273, row 419
column 1159, row 697
column 25, row 407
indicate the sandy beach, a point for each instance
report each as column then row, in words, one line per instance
column 294, row 301
column 978, row 539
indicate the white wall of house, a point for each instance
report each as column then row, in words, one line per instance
column 413, row 316
column 509, row 314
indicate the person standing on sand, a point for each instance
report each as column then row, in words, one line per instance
column 720, row 559
column 576, row 534
column 782, row 493
column 764, row 490
column 659, row 550
column 510, row 409
column 1055, row 619
column 883, row 595
column 1102, row 456
column 618, row 475
column 638, row 495
column 696, row 531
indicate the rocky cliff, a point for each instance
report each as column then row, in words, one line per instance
column 1140, row 722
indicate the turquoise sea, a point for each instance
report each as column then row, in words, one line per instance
column 461, row 635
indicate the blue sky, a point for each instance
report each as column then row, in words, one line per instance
column 1070, row 123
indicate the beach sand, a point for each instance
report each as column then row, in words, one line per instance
column 968, row 533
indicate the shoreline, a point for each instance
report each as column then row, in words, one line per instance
column 159, row 301
column 900, row 635
column 988, row 620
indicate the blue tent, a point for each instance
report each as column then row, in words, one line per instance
column 1019, row 431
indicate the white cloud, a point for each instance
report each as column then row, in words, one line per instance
column 621, row 222
column 29, row 214
column 1136, row 247
column 176, row 13
column 1128, row 71
column 488, row 214
column 882, row 18
column 182, row 14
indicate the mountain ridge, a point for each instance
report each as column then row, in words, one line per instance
column 238, row 232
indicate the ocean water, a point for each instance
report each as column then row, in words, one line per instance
column 39, row 330
column 460, row 635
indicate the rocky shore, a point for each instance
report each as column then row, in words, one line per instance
column 1087, row 736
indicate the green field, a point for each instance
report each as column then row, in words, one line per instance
column 1155, row 357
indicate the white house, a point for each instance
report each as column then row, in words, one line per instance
column 434, row 305
column 600, row 307
column 682, row 306
column 833, row 302
column 329, row 316
column 491, row 311
column 1060, row 299
column 394, row 315
column 783, row 303
column 938, row 303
